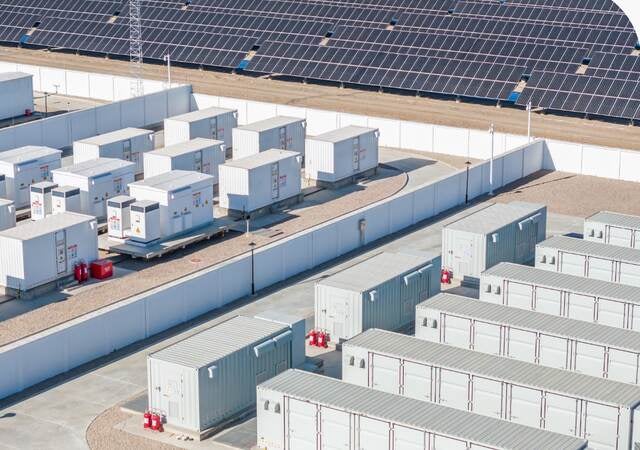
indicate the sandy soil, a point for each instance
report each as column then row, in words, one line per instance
column 577, row 195
column 444, row 112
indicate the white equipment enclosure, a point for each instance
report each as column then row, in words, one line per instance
column 199, row 155
column 16, row 92
column 613, row 228
column 208, row 123
column 284, row 133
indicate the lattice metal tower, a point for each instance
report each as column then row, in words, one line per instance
column 135, row 47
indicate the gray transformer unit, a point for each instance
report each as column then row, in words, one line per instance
column 501, row 232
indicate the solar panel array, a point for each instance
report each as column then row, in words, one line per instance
column 500, row 50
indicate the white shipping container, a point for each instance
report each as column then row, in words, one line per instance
column 99, row 180
column 40, row 252
column 252, row 183
column 583, row 347
column 145, row 221
column 16, row 94
column 211, row 377
column 589, row 259
column 603, row 411
column 380, row 292
column 66, row 199
column 24, row 166
column 501, row 232
column 301, row 410
column 3, row 186
column 613, row 228
column 185, row 198
column 7, row 214
column 342, row 153
column 559, row 294
column 209, row 123
column 128, row 144
column 198, row 155
column 41, row 199
column 280, row 132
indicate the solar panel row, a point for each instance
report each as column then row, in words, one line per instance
column 513, row 50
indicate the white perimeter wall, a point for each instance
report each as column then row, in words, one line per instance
column 64, row 347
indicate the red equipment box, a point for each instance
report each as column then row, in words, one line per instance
column 101, row 269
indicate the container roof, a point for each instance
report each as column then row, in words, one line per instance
column 342, row 134
column 6, row 76
column 615, row 219
column 565, row 282
column 49, row 224
column 212, row 344
column 261, row 159
column 66, row 189
column 201, row 114
column 497, row 367
column 378, row 269
column 173, row 180
column 185, row 147
column 495, row 217
column 590, row 248
column 273, row 122
column 27, row 153
column 535, row 321
column 5, row 202
column 115, row 136
column 95, row 167
column 418, row 414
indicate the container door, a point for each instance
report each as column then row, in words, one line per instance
column 581, row 307
column 335, row 429
column 171, row 398
column 385, row 374
column 463, row 260
column 447, row 443
column 374, row 434
column 636, row 239
column 417, row 381
column 454, row 389
column 487, row 338
column 602, row 427
column 275, row 181
column 611, row 313
column 526, row 241
column 600, row 269
column 213, row 128
column 355, row 148
column 457, row 331
column 589, row 359
column 408, row 439
column 619, row 236
column 553, row 351
column 197, row 161
column 572, row 264
column 126, row 150
column 548, row 301
column 521, row 345
column 525, row 406
column 561, row 414
column 487, row 397
column 282, row 138
column 630, row 274
column 520, row 295
column 337, row 316
column 303, row 434
column 623, row 366
column 61, row 251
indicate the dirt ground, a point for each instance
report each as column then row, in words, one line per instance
column 576, row 195
column 420, row 109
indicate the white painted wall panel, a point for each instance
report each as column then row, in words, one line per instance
column 629, row 163
column 600, row 162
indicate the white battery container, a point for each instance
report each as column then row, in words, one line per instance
column 185, row 198
column 209, row 123
column 613, row 228
column 99, row 180
column 341, row 154
column 3, row 186
column 257, row 181
column 145, row 221
column 45, row 250
column 16, row 92
column 7, row 214
column 41, row 199
column 198, row 155
column 280, row 132
column 66, row 199
column 119, row 216
column 24, row 166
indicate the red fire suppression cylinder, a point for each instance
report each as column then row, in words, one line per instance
column 85, row 271
column 147, row 419
column 313, row 338
column 445, row 276
column 156, row 423
column 322, row 339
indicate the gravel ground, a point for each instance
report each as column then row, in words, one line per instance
column 405, row 107
column 181, row 264
column 577, row 195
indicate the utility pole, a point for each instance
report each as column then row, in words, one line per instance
column 135, row 47
column 167, row 59
column 529, row 107
column 492, row 132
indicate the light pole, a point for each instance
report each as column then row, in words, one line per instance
column 466, row 191
column 167, row 59
column 492, row 132
column 529, row 107
column 253, row 276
